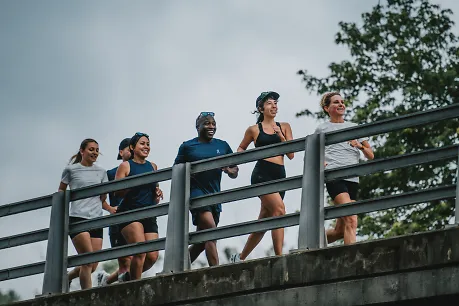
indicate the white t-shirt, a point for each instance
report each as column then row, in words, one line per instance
column 77, row 176
column 340, row 154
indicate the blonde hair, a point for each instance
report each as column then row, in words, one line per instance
column 325, row 101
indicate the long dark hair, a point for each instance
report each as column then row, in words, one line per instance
column 77, row 157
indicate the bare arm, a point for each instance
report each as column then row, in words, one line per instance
column 287, row 129
column 62, row 187
column 122, row 172
column 367, row 150
column 247, row 140
column 106, row 206
column 158, row 192
column 364, row 147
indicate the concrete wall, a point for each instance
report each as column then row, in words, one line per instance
column 393, row 270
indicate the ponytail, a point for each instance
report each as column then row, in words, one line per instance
column 260, row 117
column 75, row 159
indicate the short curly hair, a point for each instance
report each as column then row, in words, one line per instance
column 325, row 101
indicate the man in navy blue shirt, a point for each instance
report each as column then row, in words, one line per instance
column 116, row 239
column 203, row 147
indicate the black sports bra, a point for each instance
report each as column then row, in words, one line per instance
column 264, row 139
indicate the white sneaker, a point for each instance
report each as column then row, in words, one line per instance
column 102, row 278
column 235, row 258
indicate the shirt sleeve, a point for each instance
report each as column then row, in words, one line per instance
column 66, row 175
column 228, row 148
column 181, row 155
column 105, row 178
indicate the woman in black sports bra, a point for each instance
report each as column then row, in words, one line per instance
column 266, row 132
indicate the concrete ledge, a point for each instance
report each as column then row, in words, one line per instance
column 387, row 270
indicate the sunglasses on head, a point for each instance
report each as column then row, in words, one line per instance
column 205, row 114
column 141, row 134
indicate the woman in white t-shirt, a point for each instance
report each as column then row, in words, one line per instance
column 82, row 172
column 340, row 155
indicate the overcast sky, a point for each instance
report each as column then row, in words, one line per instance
column 107, row 69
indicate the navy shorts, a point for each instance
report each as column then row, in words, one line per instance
column 265, row 171
column 117, row 239
column 95, row 233
column 149, row 224
column 334, row 188
column 195, row 214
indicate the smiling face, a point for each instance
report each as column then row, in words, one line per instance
column 336, row 108
column 90, row 153
column 269, row 108
column 206, row 127
column 142, row 148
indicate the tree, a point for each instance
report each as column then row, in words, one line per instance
column 404, row 59
column 9, row 297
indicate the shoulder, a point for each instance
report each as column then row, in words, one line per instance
column 323, row 126
column 252, row 129
column 285, row 125
column 350, row 124
column 190, row 142
column 125, row 165
column 154, row 166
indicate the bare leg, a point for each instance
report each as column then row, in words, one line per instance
column 134, row 233
column 346, row 227
column 271, row 205
column 206, row 221
column 123, row 264
column 83, row 244
column 151, row 257
column 195, row 250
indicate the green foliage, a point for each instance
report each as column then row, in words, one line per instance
column 110, row 266
column 404, row 59
column 9, row 297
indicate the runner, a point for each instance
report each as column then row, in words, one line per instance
column 80, row 173
column 339, row 155
column 202, row 147
column 266, row 132
column 138, row 197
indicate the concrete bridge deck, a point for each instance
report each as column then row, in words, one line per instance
column 405, row 270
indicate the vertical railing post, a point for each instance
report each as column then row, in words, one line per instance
column 55, row 277
column 176, row 258
column 456, row 213
column 310, row 233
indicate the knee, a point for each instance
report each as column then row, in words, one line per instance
column 94, row 266
column 139, row 257
column 211, row 244
column 87, row 267
column 279, row 211
column 152, row 257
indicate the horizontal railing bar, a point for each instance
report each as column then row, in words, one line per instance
column 391, row 163
column 128, row 216
column 124, row 183
column 238, row 158
column 25, row 238
column 391, row 201
column 245, row 192
column 23, row 206
column 245, row 228
column 393, row 124
column 22, row 271
column 117, row 252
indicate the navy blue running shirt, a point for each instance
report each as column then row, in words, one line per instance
column 209, row 181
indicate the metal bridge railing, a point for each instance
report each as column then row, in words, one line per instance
column 310, row 218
